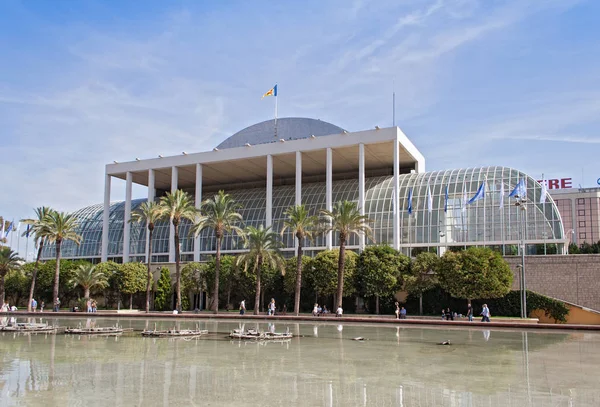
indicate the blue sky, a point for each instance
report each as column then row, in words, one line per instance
column 513, row 83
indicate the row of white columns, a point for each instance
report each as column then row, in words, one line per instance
column 268, row 203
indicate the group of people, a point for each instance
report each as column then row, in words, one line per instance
column 92, row 306
column 7, row 307
column 448, row 315
column 400, row 311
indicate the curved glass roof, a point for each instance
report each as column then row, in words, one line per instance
column 288, row 128
column 454, row 224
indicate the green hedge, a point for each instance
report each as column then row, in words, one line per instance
column 509, row 305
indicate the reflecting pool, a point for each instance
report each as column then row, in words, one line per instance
column 322, row 366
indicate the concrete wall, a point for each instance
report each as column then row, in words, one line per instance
column 574, row 278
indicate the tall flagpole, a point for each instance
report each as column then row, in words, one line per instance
column 544, row 213
column 275, row 115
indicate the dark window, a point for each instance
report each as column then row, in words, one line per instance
column 580, row 201
column 582, row 235
column 581, row 212
column 581, row 223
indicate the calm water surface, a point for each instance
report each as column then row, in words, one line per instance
column 395, row 366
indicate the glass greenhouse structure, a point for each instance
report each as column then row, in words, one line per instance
column 441, row 216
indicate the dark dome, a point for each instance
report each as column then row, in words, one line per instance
column 288, row 128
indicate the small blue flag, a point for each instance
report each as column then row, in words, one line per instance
column 446, row 200
column 520, row 190
column 27, row 231
column 410, row 209
column 10, row 227
column 479, row 195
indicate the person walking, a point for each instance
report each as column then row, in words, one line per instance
column 89, row 305
column 42, row 306
column 33, row 304
column 470, row 312
column 94, row 306
column 272, row 307
column 57, row 304
column 316, row 310
column 485, row 313
column 397, row 311
column 243, row 307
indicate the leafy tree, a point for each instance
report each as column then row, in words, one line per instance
column 16, row 285
column 9, row 260
column 380, row 271
column 178, row 206
column 221, row 215
column 322, row 273
column 304, row 226
column 475, row 273
column 111, row 271
column 59, row 227
column 45, row 279
column 163, row 290
column 36, row 228
column 88, row 276
column 148, row 213
column 132, row 279
column 346, row 220
column 422, row 276
column 263, row 250
column 289, row 279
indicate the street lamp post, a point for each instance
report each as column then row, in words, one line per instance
column 521, row 204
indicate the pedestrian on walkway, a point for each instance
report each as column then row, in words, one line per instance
column 470, row 312
column 485, row 313
column 243, row 307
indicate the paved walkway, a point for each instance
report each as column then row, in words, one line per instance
column 352, row 318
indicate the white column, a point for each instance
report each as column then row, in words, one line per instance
column 198, row 199
column 269, row 203
column 328, row 193
column 127, row 217
column 151, row 195
column 298, row 178
column 174, row 179
column 396, row 192
column 361, row 188
column 105, row 218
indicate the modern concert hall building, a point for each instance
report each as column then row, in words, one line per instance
column 270, row 166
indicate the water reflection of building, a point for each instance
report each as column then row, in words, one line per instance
column 317, row 163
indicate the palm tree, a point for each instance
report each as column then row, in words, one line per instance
column 59, row 227
column 263, row 248
column 346, row 220
column 9, row 260
column 177, row 206
column 303, row 226
column 219, row 214
column 35, row 227
column 88, row 277
column 148, row 213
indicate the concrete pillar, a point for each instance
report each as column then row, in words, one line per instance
column 298, row 178
column 198, row 200
column 105, row 218
column 151, row 195
column 328, row 193
column 174, row 180
column 127, row 217
column 361, row 188
column 395, row 199
column 269, row 203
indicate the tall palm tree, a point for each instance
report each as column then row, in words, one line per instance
column 220, row 213
column 59, row 227
column 88, row 277
column 148, row 213
column 9, row 260
column 36, row 227
column 345, row 219
column 304, row 226
column 263, row 248
column 176, row 207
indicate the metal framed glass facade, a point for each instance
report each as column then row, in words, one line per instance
column 443, row 223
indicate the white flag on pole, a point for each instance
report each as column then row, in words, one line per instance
column 429, row 200
column 501, row 195
column 18, row 227
column 544, row 192
column 465, row 199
